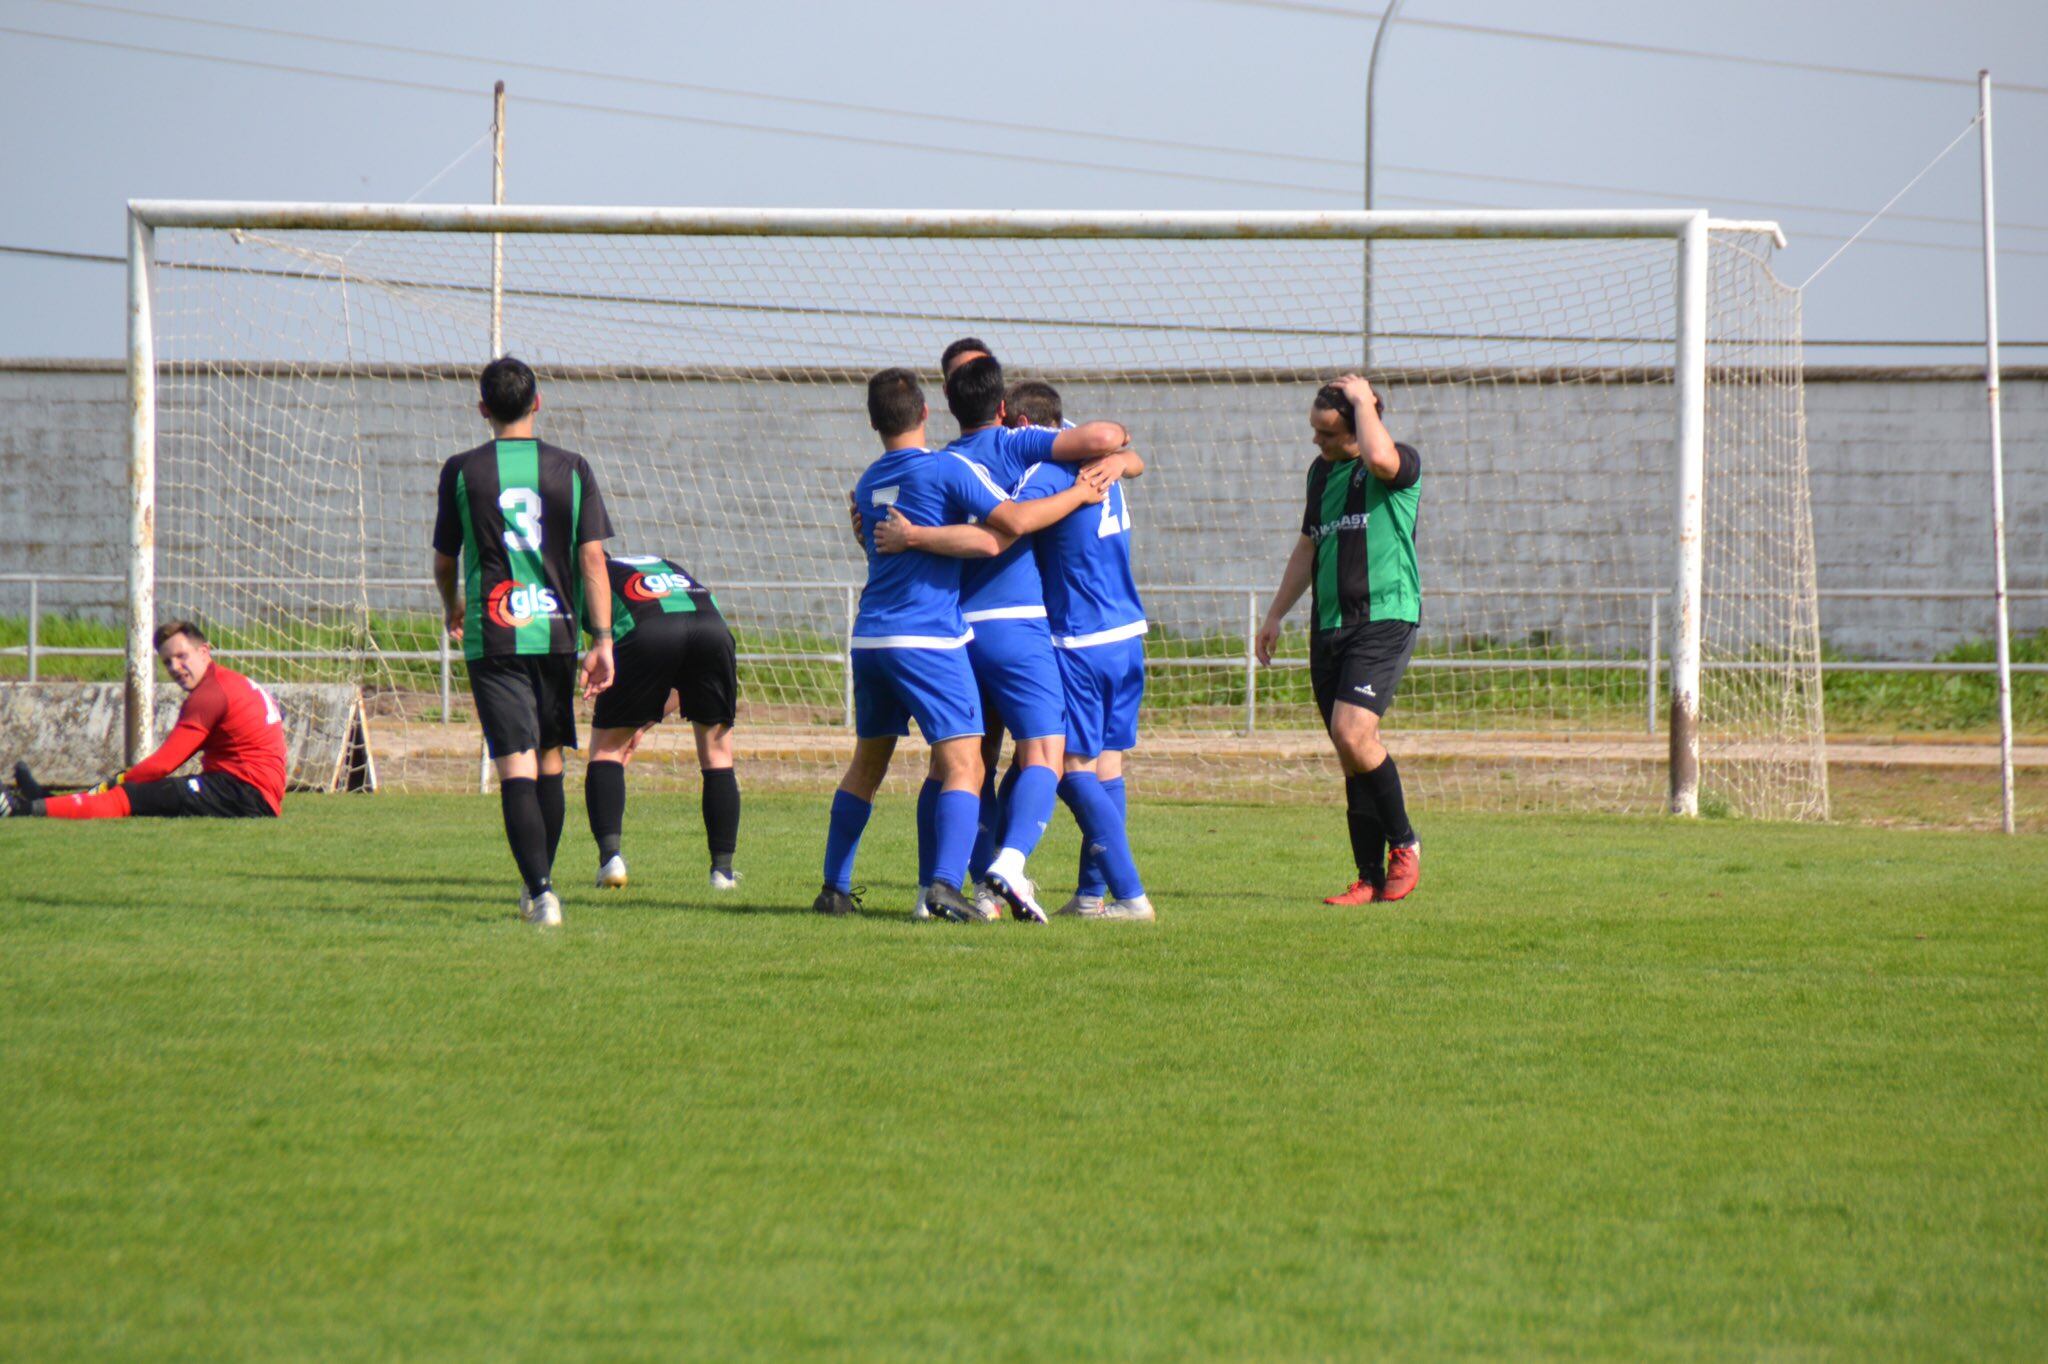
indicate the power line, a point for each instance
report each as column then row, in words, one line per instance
column 896, row 144
column 101, row 258
column 700, row 120
column 1004, row 125
column 1644, row 49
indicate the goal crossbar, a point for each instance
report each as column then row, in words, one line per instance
column 1531, row 224
column 1688, row 229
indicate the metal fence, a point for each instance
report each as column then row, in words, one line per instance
column 1651, row 662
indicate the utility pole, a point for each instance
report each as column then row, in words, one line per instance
column 1372, row 123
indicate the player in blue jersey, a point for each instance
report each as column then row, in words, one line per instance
column 1098, row 629
column 909, row 642
column 1012, row 654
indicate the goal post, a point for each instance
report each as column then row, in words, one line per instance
column 1515, row 352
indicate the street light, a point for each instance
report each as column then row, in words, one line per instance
column 1372, row 71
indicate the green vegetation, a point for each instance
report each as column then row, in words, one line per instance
column 1606, row 698
column 1606, row 1088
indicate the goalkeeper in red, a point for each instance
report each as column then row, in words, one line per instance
column 1357, row 551
column 230, row 722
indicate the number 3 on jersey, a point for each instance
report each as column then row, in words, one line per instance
column 521, row 508
column 1116, row 514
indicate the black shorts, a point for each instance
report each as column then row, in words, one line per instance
column 1361, row 664
column 214, row 795
column 527, row 702
column 689, row 653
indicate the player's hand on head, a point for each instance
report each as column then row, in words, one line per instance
column 1357, row 388
column 893, row 533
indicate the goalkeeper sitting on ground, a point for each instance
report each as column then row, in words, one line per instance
column 233, row 725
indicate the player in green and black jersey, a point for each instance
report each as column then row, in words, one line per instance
column 524, row 525
column 1356, row 555
column 674, row 649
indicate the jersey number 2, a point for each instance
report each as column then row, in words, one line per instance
column 1116, row 514
column 521, row 508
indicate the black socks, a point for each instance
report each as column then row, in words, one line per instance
column 721, row 816
column 526, row 830
column 553, row 811
column 1385, row 784
column 1368, row 835
column 604, row 799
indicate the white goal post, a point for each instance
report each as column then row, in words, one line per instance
column 1682, row 324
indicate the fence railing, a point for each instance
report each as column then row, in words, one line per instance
column 1650, row 662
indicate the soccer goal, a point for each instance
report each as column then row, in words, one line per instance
column 1615, row 537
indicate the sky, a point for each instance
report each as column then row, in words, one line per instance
column 1063, row 104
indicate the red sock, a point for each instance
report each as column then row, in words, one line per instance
column 106, row 805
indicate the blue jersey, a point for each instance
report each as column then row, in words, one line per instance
column 912, row 599
column 1085, row 562
column 1006, row 585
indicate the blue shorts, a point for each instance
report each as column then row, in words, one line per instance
column 935, row 687
column 1018, row 676
column 1104, row 685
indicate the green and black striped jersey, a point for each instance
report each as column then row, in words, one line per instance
column 516, row 511
column 646, row 587
column 1364, row 533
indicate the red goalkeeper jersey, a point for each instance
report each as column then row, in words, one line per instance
column 234, row 726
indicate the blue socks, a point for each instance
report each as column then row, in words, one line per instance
column 1091, row 880
column 989, row 819
column 927, row 829
column 1027, row 807
column 1102, row 829
column 953, row 818
column 842, row 840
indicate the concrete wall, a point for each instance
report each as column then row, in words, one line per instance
column 744, row 481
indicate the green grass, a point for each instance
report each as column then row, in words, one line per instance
column 1606, row 1088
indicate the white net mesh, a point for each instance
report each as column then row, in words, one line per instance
column 313, row 381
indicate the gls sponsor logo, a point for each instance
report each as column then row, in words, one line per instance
column 655, row 586
column 512, row 605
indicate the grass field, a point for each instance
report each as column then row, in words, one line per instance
column 1606, row 1088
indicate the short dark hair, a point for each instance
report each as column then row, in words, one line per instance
column 171, row 629
column 1330, row 398
column 964, row 346
column 974, row 392
column 1036, row 401
column 508, row 388
column 895, row 402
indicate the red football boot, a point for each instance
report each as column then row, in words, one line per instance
column 1404, row 870
column 1359, row 893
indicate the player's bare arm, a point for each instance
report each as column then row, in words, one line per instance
column 597, row 667
column 1090, row 440
column 1375, row 445
column 896, row 532
column 445, row 567
column 1294, row 580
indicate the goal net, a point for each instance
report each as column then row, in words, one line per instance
column 312, row 378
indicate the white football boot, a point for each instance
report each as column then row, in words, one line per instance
column 544, row 909
column 921, row 911
column 612, row 875
column 1083, row 907
column 1007, row 879
column 722, row 881
column 1137, row 909
column 987, row 905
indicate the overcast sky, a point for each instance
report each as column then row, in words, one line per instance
column 1270, row 89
